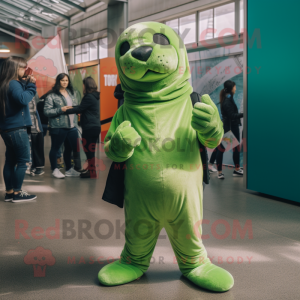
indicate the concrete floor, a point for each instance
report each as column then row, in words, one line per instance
column 265, row 266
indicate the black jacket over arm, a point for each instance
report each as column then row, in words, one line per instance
column 119, row 94
column 89, row 109
column 230, row 114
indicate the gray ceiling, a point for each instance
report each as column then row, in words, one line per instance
column 32, row 15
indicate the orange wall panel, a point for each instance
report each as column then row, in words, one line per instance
column 109, row 79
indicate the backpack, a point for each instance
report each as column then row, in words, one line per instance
column 114, row 188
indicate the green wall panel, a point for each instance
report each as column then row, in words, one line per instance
column 273, row 104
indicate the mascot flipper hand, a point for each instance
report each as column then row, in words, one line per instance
column 122, row 144
column 206, row 121
column 156, row 134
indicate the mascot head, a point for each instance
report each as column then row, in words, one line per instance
column 152, row 63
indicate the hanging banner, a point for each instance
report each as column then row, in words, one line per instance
column 47, row 64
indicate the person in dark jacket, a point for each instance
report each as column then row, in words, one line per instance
column 37, row 139
column 231, row 121
column 45, row 125
column 89, row 109
column 44, row 120
column 63, row 128
column 15, row 121
column 119, row 94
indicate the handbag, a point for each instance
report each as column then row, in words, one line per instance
column 229, row 141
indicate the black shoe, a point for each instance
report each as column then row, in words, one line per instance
column 238, row 173
column 81, row 170
column 8, row 197
column 23, row 196
column 37, row 171
column 85, row 174
column 221, row 176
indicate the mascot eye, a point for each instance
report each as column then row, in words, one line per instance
column 160, row 39
column 45, row 68
column 124, row 48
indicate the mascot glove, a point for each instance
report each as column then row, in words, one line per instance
column 122, row 143
column 206, row 121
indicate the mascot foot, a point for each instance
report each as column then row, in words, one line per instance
column 211, row 277
column 117, row 273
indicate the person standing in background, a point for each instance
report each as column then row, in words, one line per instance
column 212, row 160
column 119, row 94
column 15, row 94
column 62, row 127
column 37, row 140
column 76, row 160
column 43, row 118
column 45, row 125
column 231, row 121
column 89, row 109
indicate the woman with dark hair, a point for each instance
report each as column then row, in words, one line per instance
column 231, row 121
column 62, row 126
column 15, row 121
column 89, row 109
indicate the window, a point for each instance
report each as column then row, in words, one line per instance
column 173, row 24
column 89, row 51
column 213, row 23
column 85, row 49
column 242, row 25
column 187, row 28
column 93, row 50
column 103, row 48
column 206, row 25
column 224, row 20
column 78, row 54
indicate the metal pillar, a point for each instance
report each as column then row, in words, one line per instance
column 117, row 22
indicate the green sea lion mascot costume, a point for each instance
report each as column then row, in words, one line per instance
column 156, row 133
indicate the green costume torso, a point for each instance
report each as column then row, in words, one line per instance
column 169, row 150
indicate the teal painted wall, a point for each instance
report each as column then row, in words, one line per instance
column 273, row 165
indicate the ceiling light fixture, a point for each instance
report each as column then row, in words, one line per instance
column 36, row 10
column 4, row 49
column 46, row 3
column 47, row 14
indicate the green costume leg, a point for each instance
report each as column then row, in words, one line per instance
column 185, row 236
column 141, row 234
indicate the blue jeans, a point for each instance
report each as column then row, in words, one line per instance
column 68, row 137
column 17, row 153
column 45, row 129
